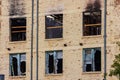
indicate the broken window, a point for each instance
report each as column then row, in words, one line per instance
column 91, row 59
column 17, row 7
column 54, row 26
column 91, row 23
column 18, row 64
column 18, row 29
column 54, row 62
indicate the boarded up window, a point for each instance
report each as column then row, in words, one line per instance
column 17, row 7
column 54, row 61
column 18, row 29
column 91, row 23
column 17, row 64
column 54, row 24
column 91, row 59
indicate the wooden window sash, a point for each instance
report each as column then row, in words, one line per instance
column 54, row 27
column 93, row 25
column 18, row 31
column 19, row 27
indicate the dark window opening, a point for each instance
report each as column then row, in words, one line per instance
column 18, row 29
column 2, row 77
column 92, row 59
column 54, row 62
column 17, row 64
column 54, row 24
column 91, row 23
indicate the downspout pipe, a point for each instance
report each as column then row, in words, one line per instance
column 105, row 39
column 37, row 36
column 31, row 57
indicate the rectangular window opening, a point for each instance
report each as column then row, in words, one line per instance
column 54, row 62
column 18, row 64
column 54, row 26
column 91, row 59
column 18, row 29
column 2, row 77
column 91, row 23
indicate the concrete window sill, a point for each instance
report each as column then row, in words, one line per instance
column 95, row 72
column 15, row 42
column 52, row 39
column 15, row 77
column 53, row 74
column 95, row 36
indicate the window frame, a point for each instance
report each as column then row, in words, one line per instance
column 18, row 56
column 90, row 25
column 83, row 60
column 18, row 27
column 54, row 53
column 53, row 27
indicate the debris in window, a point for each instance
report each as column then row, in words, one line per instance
column 54, row 62
column 54, row 24
column 18, row 29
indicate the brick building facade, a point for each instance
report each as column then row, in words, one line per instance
column 71, row 43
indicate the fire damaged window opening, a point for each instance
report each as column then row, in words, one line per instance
column 18, row 29
column 91, row 59
column 91, row 23
column 54, row 62
column 18, row 64
column 17, row 7
column 54, row 26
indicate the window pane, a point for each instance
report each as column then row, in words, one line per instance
column 23, row 64
column 54, row 20
column 54, row 33
column 18, row 29
column 54, row 25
